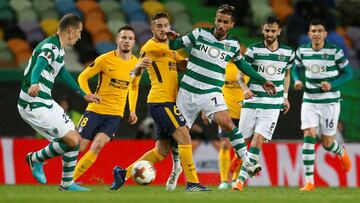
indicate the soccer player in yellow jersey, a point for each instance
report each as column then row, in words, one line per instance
column 233, row 95
column 116, row 81
column 169, row 122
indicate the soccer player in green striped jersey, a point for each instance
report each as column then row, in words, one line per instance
column 37, row 107
column 260, row 111
column 200, row 88
column 326, row 68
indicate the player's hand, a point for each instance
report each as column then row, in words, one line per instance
column 145, row 63
column 248, row 94
column 269, row 87
column 132, row 118
column 172, row 35
column 325, row 86
column 33, row 90
column 286, row 105
column 92, row 98
column 205, row 118
column 298, row 85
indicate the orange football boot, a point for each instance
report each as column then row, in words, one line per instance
column 238, row 185
column 345, row 161
column 308, row 187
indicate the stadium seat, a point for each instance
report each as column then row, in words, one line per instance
column 103, row 36
column 116, row 15
column 109, row 6
column 27, row 14
column 151, row 7
column 114, row 25
column 22, row 57
column 140, row 27
column 49, row 26
column 203, row 24
column 29, row 26
column 87, row 6
column 138, row 15
column 95, row 26
column 20, row 5
column 282, row 11
column 130, row 6
column 49, row 14
column 43, row 5
column 17, row 45
column 175, row 7
column 103, row 47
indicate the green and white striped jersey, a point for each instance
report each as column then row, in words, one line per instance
column 321, row 65
column 205, row 72
column 272, row 65
column 51, row 50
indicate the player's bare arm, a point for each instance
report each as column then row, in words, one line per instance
column 286, row 90
column 132, row 118
column 248, row 94
column 144, row 63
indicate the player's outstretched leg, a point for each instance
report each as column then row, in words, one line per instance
column 36, row 169
column 69, row 160
column 171, row 183
column 73, row 187
column 345, row 161
column 119, row 178
column 196, row 187
column 173, row 178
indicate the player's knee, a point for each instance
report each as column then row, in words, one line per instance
column 73, row 140
column 182, row 136
column 97, row 146
column 224, row 145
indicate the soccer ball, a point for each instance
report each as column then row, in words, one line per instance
column 143, row 172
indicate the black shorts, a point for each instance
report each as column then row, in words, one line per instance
column 222, row 134
column 92, row 123
column 167, row 119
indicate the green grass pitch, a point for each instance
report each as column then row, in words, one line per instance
column 158, row 194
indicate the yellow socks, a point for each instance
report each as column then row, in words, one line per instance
column 152, row 156
column 236, row 171
column 224, row 163
column 187, row 162
column 84, row 164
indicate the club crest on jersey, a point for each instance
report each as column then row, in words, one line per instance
column 227, row 46
column 213, row 52
column 281, row 57
column 132, row 74
column 325, row 56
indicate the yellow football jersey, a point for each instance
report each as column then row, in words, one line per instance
column 116, row 80
column 163, row 72
column 232, row 91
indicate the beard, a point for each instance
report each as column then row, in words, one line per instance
column 270, row 41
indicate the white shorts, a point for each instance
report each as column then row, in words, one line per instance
column 190, row 104
column 51, row 123
column 322, row 116
column 262, row 121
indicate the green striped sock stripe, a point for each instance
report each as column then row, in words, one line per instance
column 68, row 169
column 308, row 151
column 69, row 159
column 44, row 154
column 38, row 157
column 309, row 173
column 309, row 139
column 308, row 162
column 254, row 150
column 66, row 179
column 52, row 150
